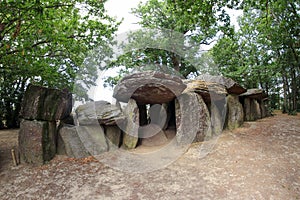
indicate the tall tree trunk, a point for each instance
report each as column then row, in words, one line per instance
column 18, row 103
column 285, row 92
column 294, row 91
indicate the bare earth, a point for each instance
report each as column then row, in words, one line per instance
column 261, row 160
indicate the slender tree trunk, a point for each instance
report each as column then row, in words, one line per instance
column 285, row 96
column 19, row 103
column 294, row 91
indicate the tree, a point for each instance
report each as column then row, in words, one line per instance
column 265, row 51
column 198, row 22
column 46, row 42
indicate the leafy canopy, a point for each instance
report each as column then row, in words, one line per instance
column 265, row 51
column 46, row 43
column 198, row 21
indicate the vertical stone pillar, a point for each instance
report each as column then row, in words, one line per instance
column 205, row 127
column 247, row 110
column 235, row 112
column 255, row 110
column 37, row 141
column 185, row 118
column 217, row 119
column 131, row 133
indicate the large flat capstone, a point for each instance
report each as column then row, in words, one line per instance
column 254, row 93
column 232, row 87
column 208, row 90
column 149, row 87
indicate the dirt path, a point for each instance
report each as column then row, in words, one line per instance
column 261, row 160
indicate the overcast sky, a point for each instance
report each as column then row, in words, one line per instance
column 121, row 9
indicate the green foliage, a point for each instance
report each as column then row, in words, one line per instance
column 46, row 43
column 201, row 19
column 265, row 51
column 193, row 23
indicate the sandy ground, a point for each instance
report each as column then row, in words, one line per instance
column 260, row 160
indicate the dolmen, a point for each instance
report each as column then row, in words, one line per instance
column 255, row 104
column 156, row 108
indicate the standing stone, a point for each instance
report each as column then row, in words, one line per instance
column 69, row 143
column 150, row 87
column 130, row 137
column 217, row 117
column 251, row 109
column 40, row 103
column 37, row 141
column 247, row 110
column 159, row 115
column 205, row 128
column 93, row 139
column 235, row 112
column 113, row 136
column 187, row 118
column 255, row 108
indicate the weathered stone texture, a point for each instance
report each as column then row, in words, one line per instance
column 235, row 112
column 130, row 137
column 37, row 141
column 205, row 128
column 188, row 115
column 231, row 86
column 69, row 143
column 149, row 87
column 93, row 139
column 254, row 93
column 208, row 90
column 40, row 103
column 218, row 114
column 251, row 109
column 99, row 112
column 113, row 136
